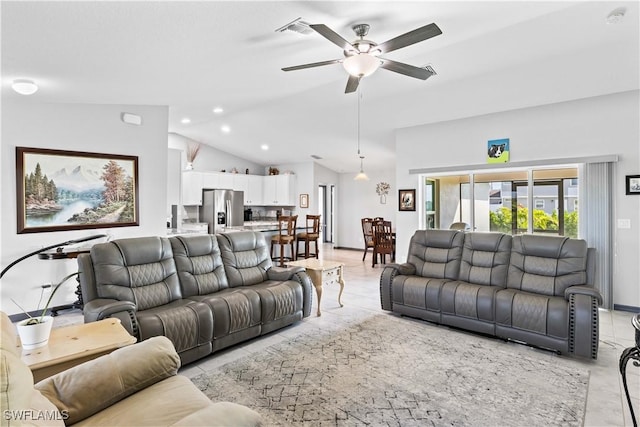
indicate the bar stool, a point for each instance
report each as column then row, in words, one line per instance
column 286, row 236
column 311, row 234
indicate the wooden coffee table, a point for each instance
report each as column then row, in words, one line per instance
column 71, row 345
column 322, row 273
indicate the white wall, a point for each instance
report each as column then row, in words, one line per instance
column 77, row 127
column 602, row 125
column 358, row 199
column 211, row 159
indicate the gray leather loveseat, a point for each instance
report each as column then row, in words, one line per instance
column 203, row 292
column 529, row 288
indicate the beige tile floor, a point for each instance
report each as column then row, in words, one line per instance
column 606, row 402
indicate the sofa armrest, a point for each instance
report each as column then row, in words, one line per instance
column 405, row 269
column 92, row 386
column 389, row 272
column 583, row 320
column 589, row 291
column 283, row 273
column 102, row 308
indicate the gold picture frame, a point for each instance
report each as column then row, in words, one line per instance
column 304, row 200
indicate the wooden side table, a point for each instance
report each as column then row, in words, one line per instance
column 71, row 345
column 322, row 273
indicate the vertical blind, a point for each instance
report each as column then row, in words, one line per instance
column 596, row 222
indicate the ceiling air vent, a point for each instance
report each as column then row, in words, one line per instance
column 314, row 156
column 297, row 26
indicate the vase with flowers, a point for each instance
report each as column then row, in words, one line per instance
column 192, row 153
column 382, row 188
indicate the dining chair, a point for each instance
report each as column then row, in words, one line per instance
column 286, row 236
column 367, row 234
column 383, row 242
column 311, row 234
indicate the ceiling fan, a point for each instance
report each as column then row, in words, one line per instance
column 362, row 57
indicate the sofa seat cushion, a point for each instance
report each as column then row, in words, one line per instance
column 541, row 314
column 469, row 300
column 279, row 299
column 173, row 401
column 234, row 310
column 418, row 292
column 188, row 324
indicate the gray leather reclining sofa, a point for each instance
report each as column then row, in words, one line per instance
column 203, row 292
column 528, row 288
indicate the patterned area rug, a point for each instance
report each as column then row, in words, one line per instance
column 389, row 371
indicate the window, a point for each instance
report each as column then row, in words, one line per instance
column 507, row 201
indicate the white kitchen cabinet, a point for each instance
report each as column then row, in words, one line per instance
column 253, row 194
column 191, row 188
column 210, row 180
column 226, row 180
column 278, row 190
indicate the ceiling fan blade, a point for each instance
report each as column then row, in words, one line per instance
column 314, row 64
column 352, row 84
column 406, row 39
column 406, row 69
column 332, row 36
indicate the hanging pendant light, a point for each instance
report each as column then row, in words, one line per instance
column 361, row 176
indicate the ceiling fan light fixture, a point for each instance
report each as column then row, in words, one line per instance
column 24, row 86
column 361, row 176
column 361, row 65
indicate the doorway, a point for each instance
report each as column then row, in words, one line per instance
column 326, row 199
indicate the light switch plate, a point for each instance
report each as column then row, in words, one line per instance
column 624, row 223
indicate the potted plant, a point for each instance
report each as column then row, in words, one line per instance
column 34, row 332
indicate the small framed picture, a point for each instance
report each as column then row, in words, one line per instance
column 304, row 200
column 633, row 184
column 407, row 200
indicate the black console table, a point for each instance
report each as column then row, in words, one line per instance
column 60, row 253
column 629, row 354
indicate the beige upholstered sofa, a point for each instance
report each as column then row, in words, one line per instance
column 529, row 288
column 133, row 386
column 203, row 292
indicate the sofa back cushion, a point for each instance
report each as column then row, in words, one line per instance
column 21, row 404
column 199, row 264
column 245, row 256
column 436, row 253
column 140, row 270
column 485, row 258
column 547, row 264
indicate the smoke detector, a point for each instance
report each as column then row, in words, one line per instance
column 297, row 26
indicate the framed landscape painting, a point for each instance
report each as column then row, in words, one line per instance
column 71, row 190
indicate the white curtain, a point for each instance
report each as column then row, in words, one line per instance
column 596, row 222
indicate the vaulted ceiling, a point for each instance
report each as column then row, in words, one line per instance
column 194, row 56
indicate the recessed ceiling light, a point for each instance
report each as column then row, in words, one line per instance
column 225, row 128
column 185, row 121
column 24, row 86
column 265, row 147
column 218, row 110
column 616, row 16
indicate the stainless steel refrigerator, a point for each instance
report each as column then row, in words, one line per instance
column 221, row 209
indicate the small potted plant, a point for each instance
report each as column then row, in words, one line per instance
column 34, row 332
